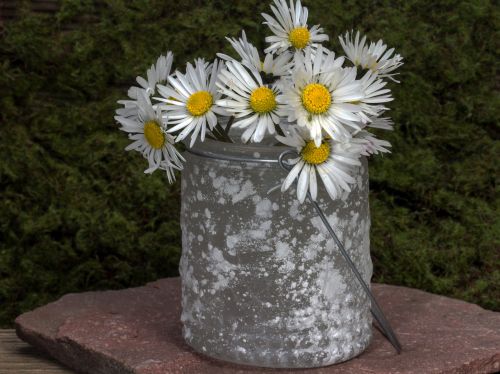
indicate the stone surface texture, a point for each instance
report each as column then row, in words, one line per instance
column 138, row 330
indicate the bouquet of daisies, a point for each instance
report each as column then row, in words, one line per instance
column 297, row 91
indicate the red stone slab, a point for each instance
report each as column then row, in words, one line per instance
column 137, row 330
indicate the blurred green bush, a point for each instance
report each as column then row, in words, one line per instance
column 77, row 213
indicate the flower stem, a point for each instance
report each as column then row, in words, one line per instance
column 229, row 124
column 220, row 134
column 279, row 130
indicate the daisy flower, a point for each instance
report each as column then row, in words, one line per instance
column 323, row 96
column 332, row 161
column 289, row 26
column 149, row 136
column 275, row 66
column 375, row 57
column 190, row 100
column 255, row 106
column 369, row 143
column 157, row 73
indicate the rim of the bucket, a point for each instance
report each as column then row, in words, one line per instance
column 253, row 152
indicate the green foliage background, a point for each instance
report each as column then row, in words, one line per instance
column 77, row 213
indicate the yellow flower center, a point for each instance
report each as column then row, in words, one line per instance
column 154, row 135
column 315, row 155
column 263, row 100
column 316, row 98
column 199, row 103
column 299, row 37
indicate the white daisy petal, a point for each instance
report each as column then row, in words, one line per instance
column 313, row 186
column 292, row 175
column 303, row 184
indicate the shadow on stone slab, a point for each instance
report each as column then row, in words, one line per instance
column 138, row 330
